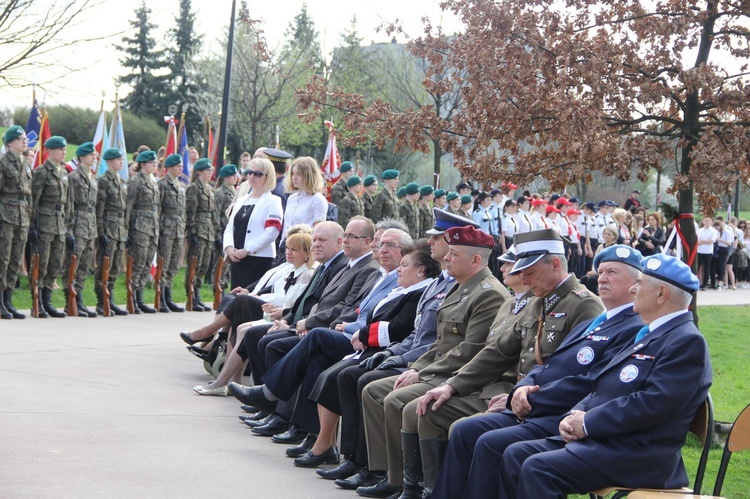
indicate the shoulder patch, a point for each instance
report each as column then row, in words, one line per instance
column 487, row 285
column 583, row 293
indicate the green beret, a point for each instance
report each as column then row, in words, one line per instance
column 389, row 174
column 146, row 156
column 172, row 160
column 451, row 196
column 426, row 190
column 439, row 193
column 466, row 198
column 112, row 153
column 227, row 171
column 353, row 180
column 412, row 188
column 401, row 192
column 12, row 134
column 346, row 166
column 85, row 149
column 55, row 142
column 202, row 164
column 369, row 180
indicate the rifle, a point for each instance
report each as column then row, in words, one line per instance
column 105, row 290
column 72, row 305
column 191, row 281
column 34, row 284
column 129, row 303
column 157, row 280
column 218, row 291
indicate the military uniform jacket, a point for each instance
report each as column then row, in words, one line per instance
column 641, row 405
column 500, row 353
column 15, row 189
column 463, row 322
column 566, row 376
column 426, row 219
column 338, row 191
column 562, row 309
column 143, row 204
column 459, row 212
column 367, row 203
column 111, row 199
column 50, row 200
column 82, row 192
column 409, row 212
column 349, row 207
column 172, row 212
column 223, row 197
column 385, row 205
column 200, row 211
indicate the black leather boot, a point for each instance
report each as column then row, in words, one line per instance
column 198, row 305
column 79, row 312
column 8, row 302
column 82, row 310
column 167, row 295
column 42, row 313
column 47, row 303
column 99, row 302
column 412, row 466
column 163, row 302
column 140, row 305
column 4, row 312
column 112, row 306
column 433, row 452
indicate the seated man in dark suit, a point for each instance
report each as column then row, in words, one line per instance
column 630, row 429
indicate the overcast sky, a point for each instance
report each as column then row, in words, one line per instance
column 101, row 61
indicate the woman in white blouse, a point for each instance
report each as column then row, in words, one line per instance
column 304, row 184
column 253, row 226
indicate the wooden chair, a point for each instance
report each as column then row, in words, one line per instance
column 702, row 427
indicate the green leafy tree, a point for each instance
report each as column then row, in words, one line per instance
column 185, row 45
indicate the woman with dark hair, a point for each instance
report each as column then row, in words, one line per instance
column 652, row 238
column 482, row 213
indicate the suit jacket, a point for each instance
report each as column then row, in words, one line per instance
column 641, row 406
column 338, row 263
column 368, row 298
column 267, row 214
column 393, row 321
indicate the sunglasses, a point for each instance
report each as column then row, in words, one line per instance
column 256, row 173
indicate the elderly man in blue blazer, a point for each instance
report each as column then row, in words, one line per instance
column 630, row 429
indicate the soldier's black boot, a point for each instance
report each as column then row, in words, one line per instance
column 42, row 313
column 47, row 303
column 412, row 466
column 82, row 310
column 8, row 302
column 163, row 302
column 198, row 305
column 112, row 306
column 99, row 301
column 4, row 312
column 167, row 297
column 142, row 306
column 433, row 452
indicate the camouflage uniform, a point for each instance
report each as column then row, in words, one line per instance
column 111, row 198
column 367, row 203
column 426, row 218
column 223, row 196
column 81, row 225
column 15, row 215
column 199, row 229
column 339, row 191
column 350, row 207
column 410, row 213
column 142, row 214
column 385, row 205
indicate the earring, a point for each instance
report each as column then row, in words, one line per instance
column 419, row 275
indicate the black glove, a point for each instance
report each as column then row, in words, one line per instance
column 70, row 243
column 392, row 363
column 194, row 240
column 33, row 236
column 104, row 241
column 375, row 360
column 219, row 245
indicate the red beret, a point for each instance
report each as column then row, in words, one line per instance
column 469, row 236
column 551, row 209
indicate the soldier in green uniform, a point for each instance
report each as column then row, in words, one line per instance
column 81, row 224
column 351, row 206
column 49, row 211
column 111, row 227
column 401, row 195
column 439, row 200
column 466, row 206
column 340, row 188
column 408, row 210
column 454, row 204
column 15, row 215
column 171, row 228
column 199, row 227
column 426, row 217
column 385, row 204
column 370, row 184
column 223, row 196
column 142, row 213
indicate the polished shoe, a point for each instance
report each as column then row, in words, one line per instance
column 187, row 339
column 258, row 421
column 274, row 426
column 252, row 395
column 292, row 436
column 249, row 409
column 363, row 478
column 301, row 449
column 344, row 470
column 310, row 460
column 207, row 390
column 381, row 489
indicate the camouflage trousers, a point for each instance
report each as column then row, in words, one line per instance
column 84, row 252
column 203, row 253
column 12, row 244
column 51, row 254
column 142, row 249
column 116, row 252
column 170, row 248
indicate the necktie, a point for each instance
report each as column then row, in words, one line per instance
column 300, row 309
column 597, row 320
column 641, row 334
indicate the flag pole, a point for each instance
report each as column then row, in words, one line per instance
column 182, row 125
column 227, row 87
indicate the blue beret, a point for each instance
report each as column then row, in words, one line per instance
column 146, row 156
column 672, row 270
column 227, row 170
column 451, row 196
column 466, row 199
column 353, row 180
column 202, row 164
column 445, row 220
column 12, row 134
column 112, row 153
column 619, row 253
column 173, row 160
column 412, row 188
column 346, row 166
column 85, row 149
column 55, row 142
column 426, row 190
column 389, row 174
column 401, row 192
column 369, row 180
column 439, row 193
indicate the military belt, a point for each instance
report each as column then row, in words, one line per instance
column 170, row 211
column 118, row 214
column 207, row 213
column 147, row 207
column 85, row 208
column 54, row 206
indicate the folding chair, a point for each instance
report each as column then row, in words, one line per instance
column 702, row 427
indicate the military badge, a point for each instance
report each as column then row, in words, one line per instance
column 550, row 336
column 585, row 355
column 653, row 264
column 622, row 252
column 628, row 373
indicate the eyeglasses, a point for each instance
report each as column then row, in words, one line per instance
column 352, row 236
column 390, row 245
column 256, row 173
